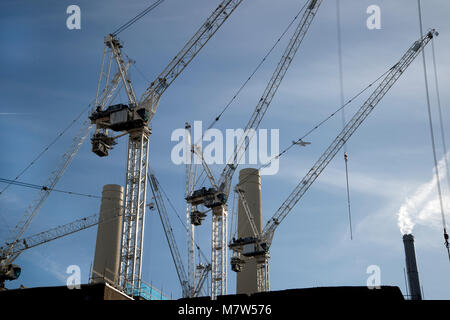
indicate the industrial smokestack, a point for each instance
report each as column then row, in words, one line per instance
column 411, row 267
column 107, row 249
column 250, row 184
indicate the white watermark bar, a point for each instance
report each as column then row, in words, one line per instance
column 220, row 148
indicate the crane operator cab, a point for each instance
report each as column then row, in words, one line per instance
column 9, row 272
column 119, row 118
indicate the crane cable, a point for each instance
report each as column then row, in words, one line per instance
column 122, row 28
column 178, row 216
column 341, row 85
column 317, row 126
column 444, row 144
column 218, row 117
column 45, row 188
column 137, row 17
column 433, row 144
column 348, row 196
column 46, row 148
column 236, row 94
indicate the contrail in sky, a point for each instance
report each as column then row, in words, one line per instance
column 12, row 113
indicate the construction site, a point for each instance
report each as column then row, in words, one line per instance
column 291, row 150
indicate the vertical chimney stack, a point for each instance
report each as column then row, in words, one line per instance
column 411, row 267
column 107, row 248
column 250, row 183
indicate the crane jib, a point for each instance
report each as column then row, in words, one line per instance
column 270, row 91
column 345, row 134
column 150, row 98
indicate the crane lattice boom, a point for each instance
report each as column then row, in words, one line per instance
column 258, row 247
column 168, row 231
column 216, row 198
column 270, row 91
column 151, row 96
column 396, row 71
column 10, row 253
column 133, row 119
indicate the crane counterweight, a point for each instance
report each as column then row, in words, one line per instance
column 133, row 119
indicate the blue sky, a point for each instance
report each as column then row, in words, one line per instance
column 49, row 75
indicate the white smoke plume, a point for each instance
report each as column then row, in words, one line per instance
column 423, row 207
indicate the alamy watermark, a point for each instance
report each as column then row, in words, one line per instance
column 374, row 20
column 74, row 280
column 73, row 21
column 218, row 148
column 374, row 280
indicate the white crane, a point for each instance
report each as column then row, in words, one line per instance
column 12, row 271
column 187, row 290
column 105, row 94
column 258, row 246
column 216, row 197
column 133, row 120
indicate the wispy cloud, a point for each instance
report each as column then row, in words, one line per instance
column 423, row 207
column 48, row 265
column 369, row 183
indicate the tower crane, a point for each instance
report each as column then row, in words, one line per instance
column 193, row 270
column 9, row 252
column 133, row 120
column 258, row 246
column 11, row 271
column 215, row 198
column 187, row 291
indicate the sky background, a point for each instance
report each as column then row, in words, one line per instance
column 49, row 75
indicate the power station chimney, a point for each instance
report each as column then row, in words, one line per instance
column 107, row 248
column 250, row 184
column 411, row 267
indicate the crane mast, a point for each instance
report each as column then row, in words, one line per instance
column 260, row 246
column 9, row 250
column 190, row 230
column 133, row 119
column 216, row 198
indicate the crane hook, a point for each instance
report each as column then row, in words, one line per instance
column 447, row 245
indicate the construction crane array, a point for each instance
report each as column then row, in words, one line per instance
column 187, row 290
column 133, row 120
column 258, row 246
column 9, row 251
column 215, row 198
column 11, row 271
column 90, row 221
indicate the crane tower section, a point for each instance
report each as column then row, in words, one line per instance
column 215, row 197
column 132, row 119
column 258, row 246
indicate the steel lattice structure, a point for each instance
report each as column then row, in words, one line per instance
column 133, row 119
column 261, row 245
column 134, row 210
column 216, row 197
